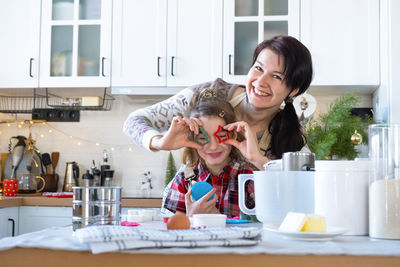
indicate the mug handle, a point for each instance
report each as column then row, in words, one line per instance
column 44, row 183
column 243, row 178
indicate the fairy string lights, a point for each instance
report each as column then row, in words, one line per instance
column 52, row 130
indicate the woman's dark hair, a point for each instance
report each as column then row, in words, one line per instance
column 286, row 131
column 208, row 106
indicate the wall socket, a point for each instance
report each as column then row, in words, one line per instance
column 56, row 115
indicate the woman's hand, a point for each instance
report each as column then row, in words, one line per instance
column 249, row 146
column 202, row 205
column 177, row 135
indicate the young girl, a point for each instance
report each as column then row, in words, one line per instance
column 215, row 162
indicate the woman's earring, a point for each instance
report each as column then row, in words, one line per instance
column 282, row 106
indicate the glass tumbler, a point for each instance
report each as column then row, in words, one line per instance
column 384, row 181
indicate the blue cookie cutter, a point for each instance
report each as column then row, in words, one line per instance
column 200, row 189
column 236, row 221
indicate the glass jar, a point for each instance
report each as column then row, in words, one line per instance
column 384, row 181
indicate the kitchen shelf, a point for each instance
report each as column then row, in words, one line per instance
column 62, row 103
column 26, row 103
column 22, row 104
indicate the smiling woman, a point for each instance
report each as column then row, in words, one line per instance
column 265, row 89
column 281, row 70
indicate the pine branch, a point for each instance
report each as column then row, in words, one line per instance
column 330, row 135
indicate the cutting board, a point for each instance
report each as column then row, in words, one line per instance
column 29, row 195
column 3, row 163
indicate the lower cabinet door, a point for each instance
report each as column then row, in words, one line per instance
column 39, row 218
column 9, row 222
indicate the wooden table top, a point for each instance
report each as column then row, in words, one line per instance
column 60, row 258
column 67, row 202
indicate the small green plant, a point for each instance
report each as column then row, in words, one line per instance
column 329, row 136
column 171, row 169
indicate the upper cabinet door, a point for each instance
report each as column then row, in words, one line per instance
column 139, row 43
column 19, row 48
column 159, row 43
column 343, row 37
column 75, row 43
column 194, row 41
column 249, row 22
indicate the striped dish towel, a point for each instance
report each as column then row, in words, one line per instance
column 118, row 238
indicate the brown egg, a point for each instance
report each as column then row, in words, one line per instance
column 178, row 221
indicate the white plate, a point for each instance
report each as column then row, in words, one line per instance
column 308, row 236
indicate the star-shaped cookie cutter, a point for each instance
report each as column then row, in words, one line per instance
column 195, row 137
column 229, row 135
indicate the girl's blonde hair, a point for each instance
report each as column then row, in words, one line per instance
column 208, row 106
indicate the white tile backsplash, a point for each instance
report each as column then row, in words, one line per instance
column 105, row 127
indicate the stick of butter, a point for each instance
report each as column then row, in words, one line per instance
column 90, row 101
column 293, row 222
column 300, row 222
column 314, row 223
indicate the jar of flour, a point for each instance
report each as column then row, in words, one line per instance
column 384, row 181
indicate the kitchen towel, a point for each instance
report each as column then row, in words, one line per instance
column 62, row 238
column 118, row 238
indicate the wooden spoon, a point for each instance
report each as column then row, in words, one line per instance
column 55, row 156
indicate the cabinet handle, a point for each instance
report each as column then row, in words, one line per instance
column 13, row 226
column 229, row 65
column 172, row 66
column 30, row 67
column 102, row 66
column 158, row 66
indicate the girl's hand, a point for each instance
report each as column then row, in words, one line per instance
column 177, row 135
column 249, row 146
column 202, row 205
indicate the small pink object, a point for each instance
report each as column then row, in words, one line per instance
column 58, row 194
column 130, row 224
column 234, row 218
column 199, row 227
column 165, row 219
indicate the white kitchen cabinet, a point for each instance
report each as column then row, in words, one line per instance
column 159, row 43
column 249, row 22
column 19, row 48
column 9, row 222
column 75, row 43
column 33, row 218
column 343, row 37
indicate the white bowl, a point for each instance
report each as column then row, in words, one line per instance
column 209, row 220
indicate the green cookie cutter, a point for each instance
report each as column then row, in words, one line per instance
column 206, row 137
